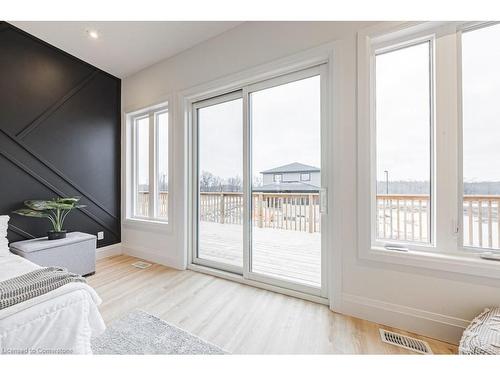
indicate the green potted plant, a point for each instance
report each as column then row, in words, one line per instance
column 54, row 210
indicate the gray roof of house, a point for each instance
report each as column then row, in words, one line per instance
column 290, row 187
column 293, row 167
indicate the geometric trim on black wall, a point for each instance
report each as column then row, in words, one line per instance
column 54, row 189
column 83, row 98
column 52, row 168
column 45, row 115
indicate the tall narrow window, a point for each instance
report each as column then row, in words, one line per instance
column 162, row 170
column 142, row 167
column 481, row 137
column 149, row 164
column 403, row 144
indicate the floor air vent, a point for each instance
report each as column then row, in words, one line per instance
column 406, row 342
column 141, row 265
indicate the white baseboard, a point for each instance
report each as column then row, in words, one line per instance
column 108, row 251
column 426, row 323
column 152, row 256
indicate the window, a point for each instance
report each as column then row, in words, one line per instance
column 481, row 137
column 141, row 130
column 278, row 178
column 429, row 140
column 305, row 177
column 403, row 143
column 149, row 164
column 162, row 170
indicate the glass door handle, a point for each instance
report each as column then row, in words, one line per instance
column 323, row 200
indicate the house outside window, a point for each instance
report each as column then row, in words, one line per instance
column 294, row 177
column 305, row 177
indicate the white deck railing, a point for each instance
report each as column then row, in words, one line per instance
column 399, row 216
column 403, row 217
column 299, row 212
column 142, row 204
column 407, row 218
column 481, row 221
column 288, row 211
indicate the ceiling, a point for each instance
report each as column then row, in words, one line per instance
column 124, row 47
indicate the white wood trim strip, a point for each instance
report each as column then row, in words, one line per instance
column 438, row 326
column 108, row 251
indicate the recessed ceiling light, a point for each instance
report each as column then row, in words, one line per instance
column 93, row 34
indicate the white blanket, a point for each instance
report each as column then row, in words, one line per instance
column 61, row 321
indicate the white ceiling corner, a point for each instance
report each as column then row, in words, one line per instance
column 125, row 47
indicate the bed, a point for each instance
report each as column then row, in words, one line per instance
column 62, row 321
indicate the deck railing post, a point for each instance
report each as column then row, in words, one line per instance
column 221, row 208
column 311, row 217
column 260, row 198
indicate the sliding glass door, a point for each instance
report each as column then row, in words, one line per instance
column 259, row 208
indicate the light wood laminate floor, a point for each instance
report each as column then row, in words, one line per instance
column 238, row 318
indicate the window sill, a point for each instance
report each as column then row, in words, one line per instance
column 463, row 262
column 148, row 225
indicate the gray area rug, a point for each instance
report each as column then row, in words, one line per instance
column 143, row 333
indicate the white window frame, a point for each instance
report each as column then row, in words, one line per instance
column 276, row 179
column 153, row 220
column 308, row 176
column 446, row 251
column 381, row 48
column 466, row 27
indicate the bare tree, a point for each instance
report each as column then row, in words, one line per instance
column 234, row 184
column 211, row 183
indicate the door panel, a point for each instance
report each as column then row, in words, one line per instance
column 285, row 123
column 220, row 173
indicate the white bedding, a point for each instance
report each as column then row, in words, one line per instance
column 61, row 321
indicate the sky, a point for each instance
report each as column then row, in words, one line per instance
column 221, row 139
column 285, row 129
column 481, row 104
column 143, row 151
column 163, row 145
column 143, row 148
column 402, row 109
column 402, row 114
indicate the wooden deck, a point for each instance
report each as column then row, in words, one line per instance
column 290, row 255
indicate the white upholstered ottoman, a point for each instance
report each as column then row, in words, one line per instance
column 76, row 252
column 482, row 336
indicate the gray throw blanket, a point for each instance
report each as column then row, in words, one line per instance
column 33, row 284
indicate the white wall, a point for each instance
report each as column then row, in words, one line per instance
column 434, row 303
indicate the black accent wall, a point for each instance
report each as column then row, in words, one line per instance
column 59, row 136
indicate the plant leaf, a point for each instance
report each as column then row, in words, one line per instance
column 38, row 205
column 31, row 213
column 61, row 206
column 71, row 200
